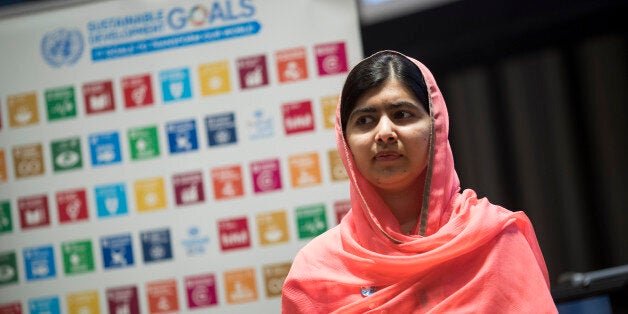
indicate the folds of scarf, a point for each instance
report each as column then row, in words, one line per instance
column 485, row 259
column 473, row 257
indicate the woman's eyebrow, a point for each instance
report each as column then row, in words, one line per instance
column 392, row 106
column 361, row 110
column 403, row 104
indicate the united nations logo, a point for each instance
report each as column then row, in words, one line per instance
column 62, row 46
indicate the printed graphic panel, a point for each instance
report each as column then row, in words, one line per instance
column 23, row 109
column 28, row 160
column 137, row 90
column 240, row 286
column 162, row 296
column 66, row 154
column 8, row 267
column 39, row 262
column 123, row 300
column 168, row 156
column 201, row 291
column 82, row 302
column 78, row 257
column 72, row 205
column 45, row 305
column 60, row 103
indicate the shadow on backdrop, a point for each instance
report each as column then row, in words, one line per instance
column 538, row 94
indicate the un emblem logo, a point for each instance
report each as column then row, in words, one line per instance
column 62, row 46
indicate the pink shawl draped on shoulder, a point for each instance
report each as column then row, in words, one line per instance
column 471, row 257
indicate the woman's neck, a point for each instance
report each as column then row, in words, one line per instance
column 405, row 204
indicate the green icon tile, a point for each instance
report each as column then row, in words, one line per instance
column 61, row 103
column 66, row 154
column 78, row 257
column 311, row 220
column 8, row 268
column 6, row 223
column 144, row 142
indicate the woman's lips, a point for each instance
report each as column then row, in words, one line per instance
column 387, row 156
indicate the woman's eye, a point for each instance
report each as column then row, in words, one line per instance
column 402, row 114
column 363, row 120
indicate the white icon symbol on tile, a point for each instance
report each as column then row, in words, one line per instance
column 176, row 89
column 99, row 102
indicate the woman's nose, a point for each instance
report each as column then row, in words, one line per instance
column 385, row 131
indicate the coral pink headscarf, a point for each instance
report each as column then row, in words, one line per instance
column 470, row 256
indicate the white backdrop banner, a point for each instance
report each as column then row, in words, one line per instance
column 167, row 156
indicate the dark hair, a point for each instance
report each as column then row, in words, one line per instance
column 373, row 72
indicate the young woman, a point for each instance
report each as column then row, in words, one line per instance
column 412, row 242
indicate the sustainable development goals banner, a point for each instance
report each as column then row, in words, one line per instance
column 167, row 156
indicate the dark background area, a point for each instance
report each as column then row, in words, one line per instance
column 537, row 93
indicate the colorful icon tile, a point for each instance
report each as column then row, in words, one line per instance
column 201, row 291
column 331, row 58
column 123, row 300
column 298, row 117
column 117, row 251
column 11, row 308
column 45, row 305
column 111, row 200
column 305, row 170
column 72, row 205
column 291, row 64
column 78, row 257
column 227, row 182
column 240, row 286
column 22, row 109
column 162, row 296
column 105, row 148
column 311, row 220
column 6, row 219
column 34, row 211
column 221, row 129
column 66, row 154
column 341, row 208
column 188, row 188
column 336, row 167
column 266, row 175
column 98, row 97
column 274, row 277
column 272, row 227
column 83, row 302
column 253, row 71
column 175, row 85
column 137, row 91
column 60, row 103
column 150, row 194
column 182, row 136
column 4, row 175
column 214, row 78
column 234, row 233
column 143, row 142
column 28, row 160
column 8, row 268
column 39, row 262
column 156, row 245
column 328, row 106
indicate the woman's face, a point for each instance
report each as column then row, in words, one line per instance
column 388, row 133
